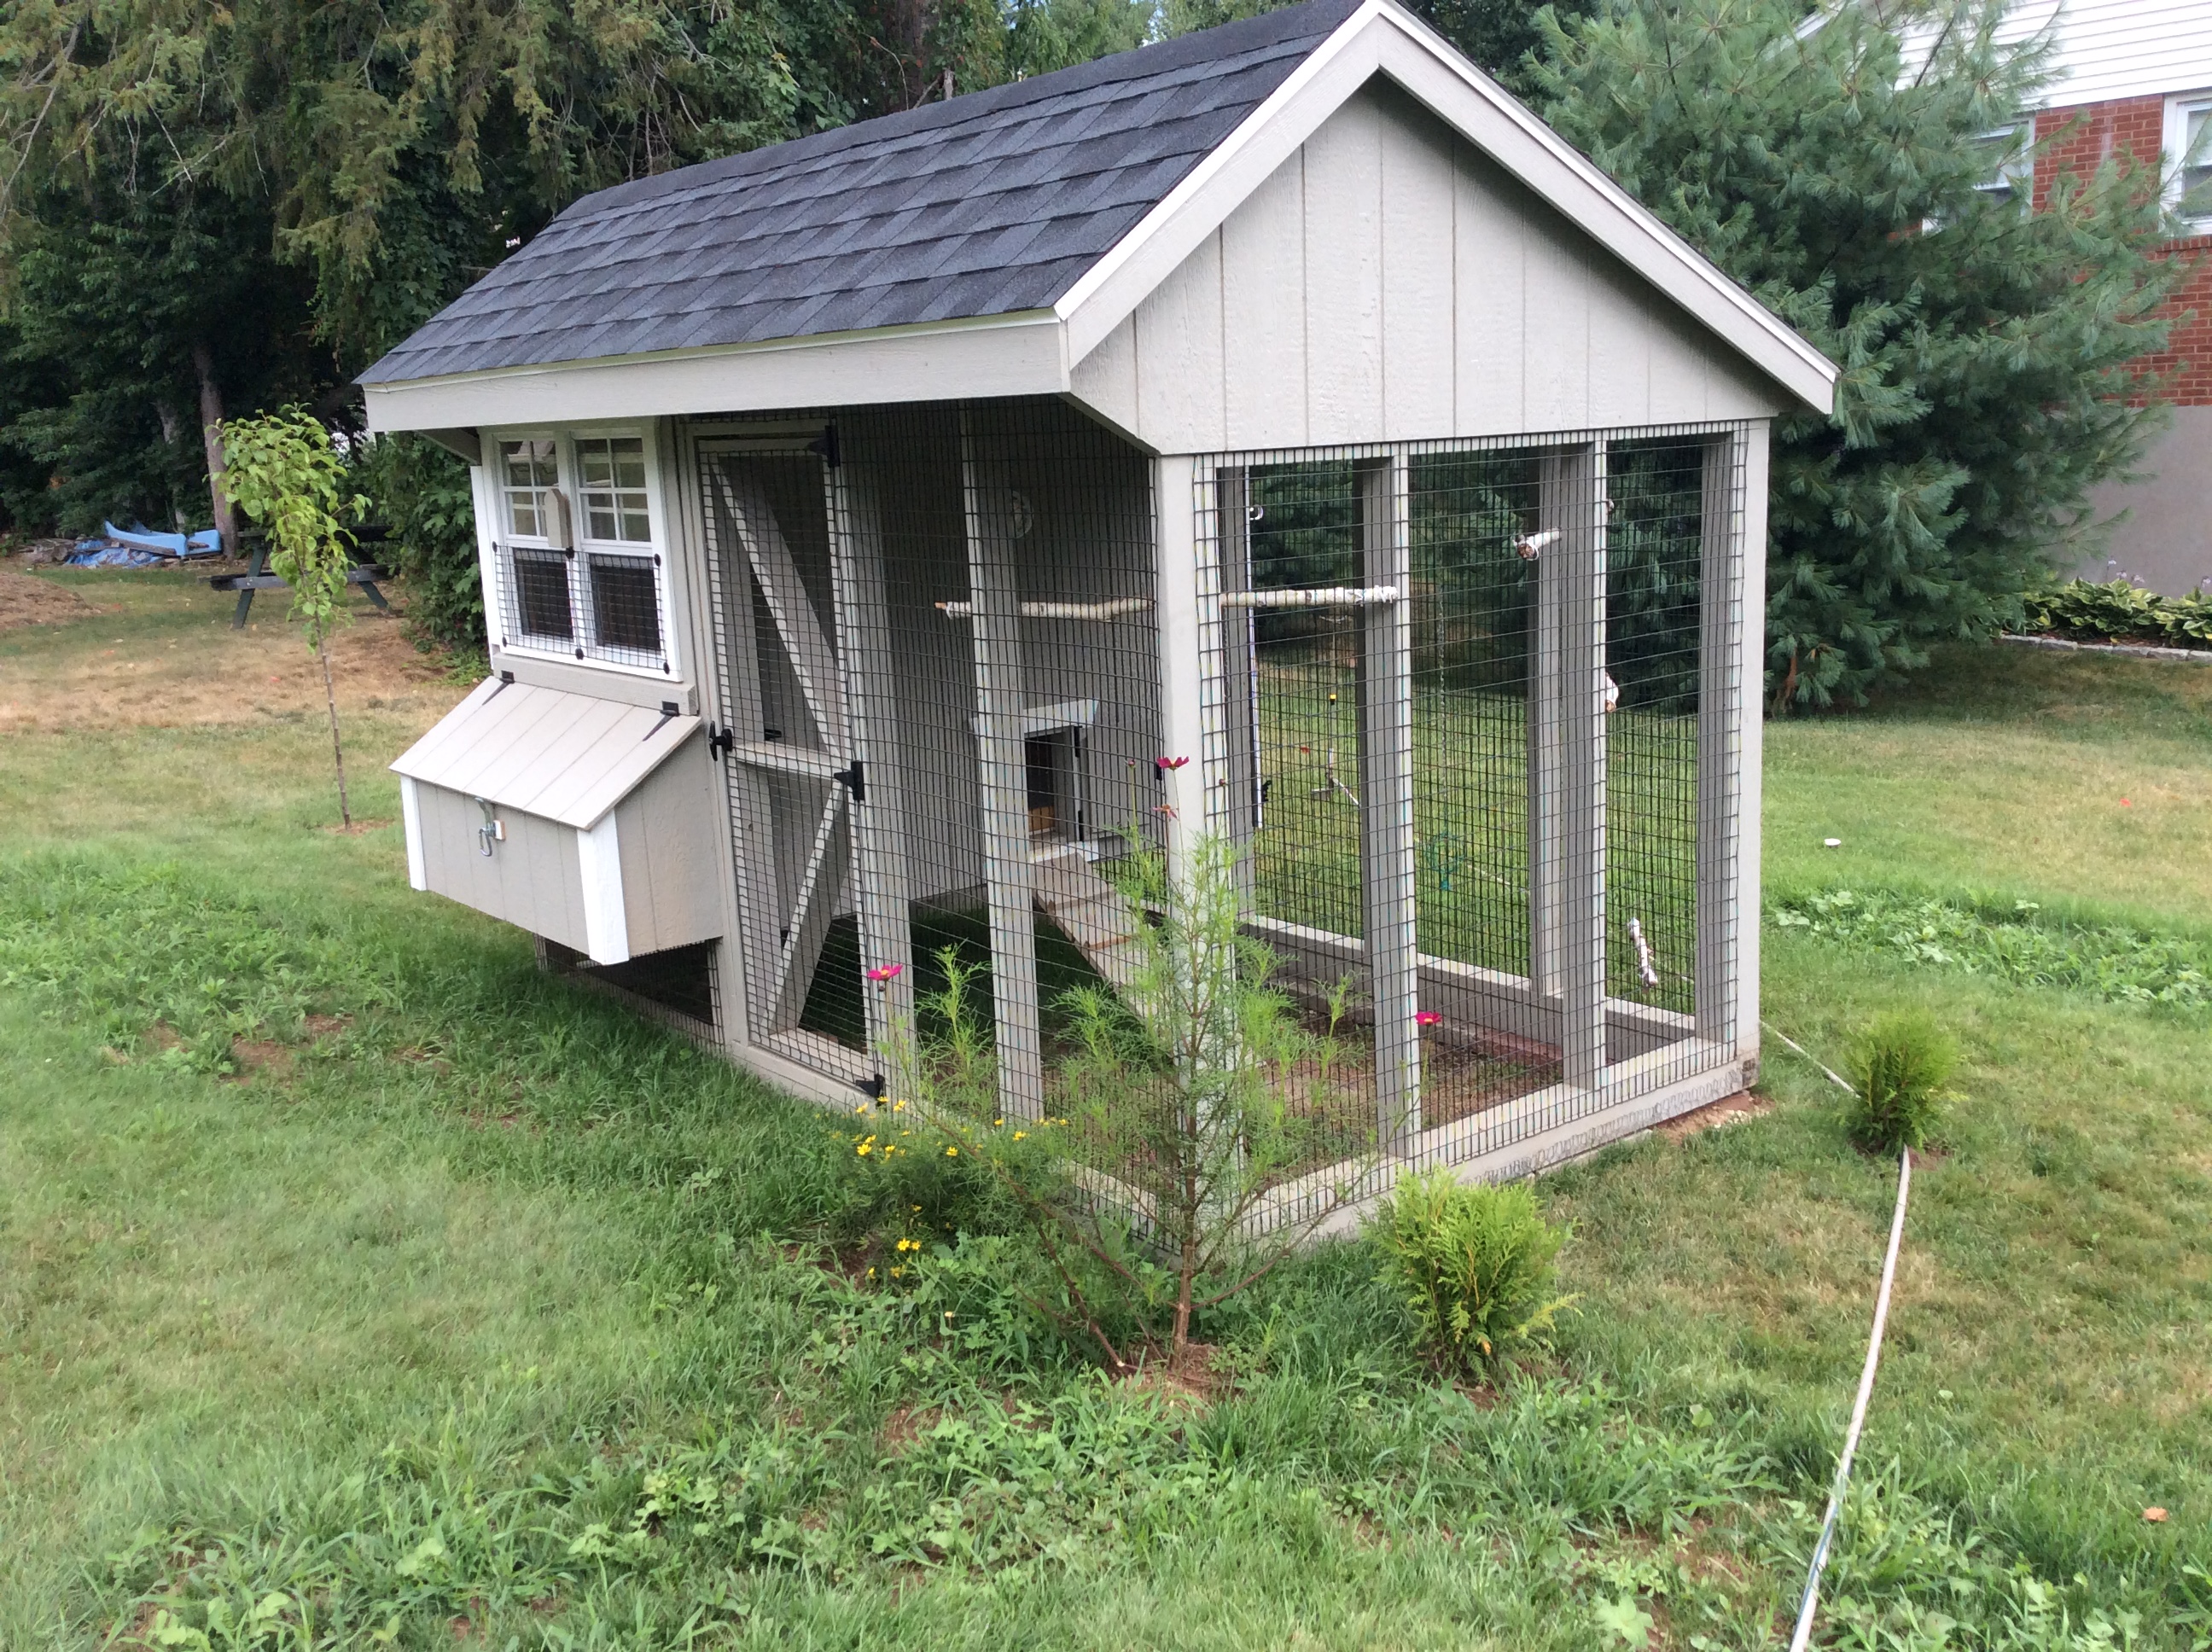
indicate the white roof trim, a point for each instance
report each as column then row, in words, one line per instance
column 568, row 757
column 1381, row 36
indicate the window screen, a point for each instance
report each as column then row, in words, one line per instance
column 612, row 468
column 2195, row 203
column 626, row 608
column 531, row 472
column 543, row 609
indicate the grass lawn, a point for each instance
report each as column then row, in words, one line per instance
column 361, row 1286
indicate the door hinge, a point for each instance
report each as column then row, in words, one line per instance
column 721, row 742
column 853, row 781
column 827, row 446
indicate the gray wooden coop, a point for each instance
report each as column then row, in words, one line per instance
column 1275, row 432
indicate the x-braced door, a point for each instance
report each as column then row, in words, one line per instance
column 794, row 772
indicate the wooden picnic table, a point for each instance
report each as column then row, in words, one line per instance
column 258, row 577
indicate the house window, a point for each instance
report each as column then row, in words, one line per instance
column 593, row 595
column 626, row 607
column 2189, row 160
column 532, row 479
column 542, row 610
column 612, row 468
column 2008, row 162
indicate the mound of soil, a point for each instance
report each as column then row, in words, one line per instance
column 26, row 600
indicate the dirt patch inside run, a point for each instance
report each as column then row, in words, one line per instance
column 26, row 600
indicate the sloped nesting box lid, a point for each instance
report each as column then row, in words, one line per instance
column 567, row 757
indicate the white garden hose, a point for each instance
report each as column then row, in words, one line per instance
column 1811, row 1600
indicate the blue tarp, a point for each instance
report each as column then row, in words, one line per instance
column 206, row 542
column 93, row 552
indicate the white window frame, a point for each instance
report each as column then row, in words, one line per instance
column 2178, row 108
column 2014, row 178
column 584, row 649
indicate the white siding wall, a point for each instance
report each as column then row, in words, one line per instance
column 2108, row 49
column 1389, row 282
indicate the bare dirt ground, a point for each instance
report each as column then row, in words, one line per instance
column 25, row 600
column 171, row 659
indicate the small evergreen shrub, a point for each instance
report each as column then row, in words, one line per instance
column 1900, row 1067
column 1475, row 1264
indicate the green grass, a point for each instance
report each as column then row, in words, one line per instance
column 496, row 1317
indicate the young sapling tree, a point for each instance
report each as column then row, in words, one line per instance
column 284, row 473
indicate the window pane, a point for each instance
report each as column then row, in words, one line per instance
column 613, row 472
column 593, row 465
column 522, row 507
column 2197, row 176
column 541, row 591
column 626, row 605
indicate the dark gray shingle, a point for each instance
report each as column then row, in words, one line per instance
column 985, row 205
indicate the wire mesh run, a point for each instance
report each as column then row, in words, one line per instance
column 940, row 660
column 625, row 593
column 1516, row 907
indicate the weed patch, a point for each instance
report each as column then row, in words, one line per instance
column 2011, row 942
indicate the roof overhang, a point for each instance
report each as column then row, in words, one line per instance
column 1033, row 353
column 1019, row 354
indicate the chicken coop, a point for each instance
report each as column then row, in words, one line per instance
column 1272, row 436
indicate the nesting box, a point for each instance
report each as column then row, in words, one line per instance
column 1274, row 434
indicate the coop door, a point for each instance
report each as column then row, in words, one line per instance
column 792, row 775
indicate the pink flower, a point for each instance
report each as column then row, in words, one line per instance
column 885, row 972
column 1427, row 1018
column 1166, row 764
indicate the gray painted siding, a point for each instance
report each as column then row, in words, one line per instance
column 665, row 831
column 1389, row 282
column 670, row 868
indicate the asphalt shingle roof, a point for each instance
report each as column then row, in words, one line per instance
column 984, row 205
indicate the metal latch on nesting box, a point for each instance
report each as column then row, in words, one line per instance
column 494, row 829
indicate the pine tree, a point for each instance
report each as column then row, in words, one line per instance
column 1987, row 350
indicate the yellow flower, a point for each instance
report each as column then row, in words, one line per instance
column 998, row 1122
column 898, row 1107
column 952, row 1152
column 1018, row 1134
column 865, row 1149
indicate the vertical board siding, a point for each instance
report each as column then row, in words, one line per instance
column 1490, row 300
column 1390, row 283
column 1419, row 246
column 1263, row 265
column 1343, row 225
column 1181, row 323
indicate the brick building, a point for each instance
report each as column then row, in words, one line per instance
column 2136, row 76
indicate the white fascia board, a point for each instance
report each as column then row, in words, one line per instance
column 1017, row 355
column 1382, row 36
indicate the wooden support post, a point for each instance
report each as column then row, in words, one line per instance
column 1580, row 908
column 872, row 745
column 1008, row 874
column 1389, row 896
column 1189, row 616
column 1721, row 710
column 1751, row 732
column 1235, row 790
column 1554, row 509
